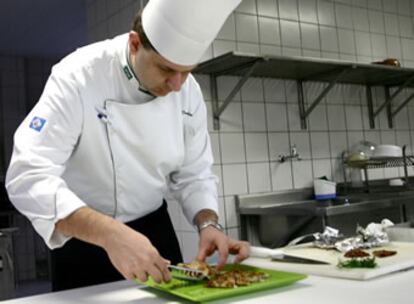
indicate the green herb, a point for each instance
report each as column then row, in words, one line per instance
column 358, row 263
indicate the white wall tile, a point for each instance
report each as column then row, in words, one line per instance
column 389, row 6
column 221, row 47
column 232, row 219
column 326, row 13
column 215, row 147
column 294, row 117
column 310, row 36
column 338, row 142
column 291, row 91
column 407, row 48
column 391, row 24
column 247, row 6
column 247, row 47
column 376, row 22
column 354, row 137
column 247, row 28
column 270, row 50
column 259, row 177
column 360, row 19
column 274, row 90
column 290, row 33
column 329, row 39
column 320, row 145
column 346, row 41
column 254, row 117
column 288, row 9
column 278, row 145
column 388, row 137
column 252, row 90
column 256, row 147
column 307, row 11
column 276, row 117
column 363, row 43
column 269, row 32
column 317, row 119
column 302, row 174
column 301, row 141
column 343, row 15
column 267, row 8
column 234, row 179
column 281, row 176
column 231, row 119
column 232, row 148
column 353, row 117
column 228, row 31
column 322, row 167
column 336, row 117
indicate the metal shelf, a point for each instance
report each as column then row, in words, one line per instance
column 404, row 161
column 389, row 162
column 306, row 69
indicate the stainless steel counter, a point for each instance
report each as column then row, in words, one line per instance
column 291, row 211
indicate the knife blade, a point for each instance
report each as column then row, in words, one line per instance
column 280, row 256
column 285, row 258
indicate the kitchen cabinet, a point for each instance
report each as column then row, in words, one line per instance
column 302, row 70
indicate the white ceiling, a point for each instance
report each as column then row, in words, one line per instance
column 42, row 28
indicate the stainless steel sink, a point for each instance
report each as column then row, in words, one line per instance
column 279, row 218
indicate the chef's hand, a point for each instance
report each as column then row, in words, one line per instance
column 134, row 256
column 212, row 239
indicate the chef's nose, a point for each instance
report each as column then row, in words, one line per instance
column 174, row 81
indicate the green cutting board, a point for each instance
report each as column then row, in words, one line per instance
column 195, row 290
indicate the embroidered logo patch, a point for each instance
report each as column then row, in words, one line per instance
column 37, row 123
column 127, row 72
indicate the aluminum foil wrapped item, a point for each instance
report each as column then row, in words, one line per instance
column 328, row 238
column 373, row 235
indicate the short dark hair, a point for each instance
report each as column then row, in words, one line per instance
column 137, row 27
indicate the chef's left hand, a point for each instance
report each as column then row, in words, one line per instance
column 212, row 239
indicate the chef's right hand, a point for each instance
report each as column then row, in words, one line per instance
column 134, row 256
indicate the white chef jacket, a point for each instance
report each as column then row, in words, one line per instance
column 95, row 139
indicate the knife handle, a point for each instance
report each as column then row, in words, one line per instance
column 263, row 252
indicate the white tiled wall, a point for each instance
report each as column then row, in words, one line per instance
column 263, row 122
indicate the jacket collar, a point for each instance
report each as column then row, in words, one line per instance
column 129, row 75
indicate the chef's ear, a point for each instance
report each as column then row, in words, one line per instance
column 134, row 41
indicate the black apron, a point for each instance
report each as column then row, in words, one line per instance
column 79, row 264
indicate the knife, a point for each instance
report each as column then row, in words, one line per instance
column 278, row 255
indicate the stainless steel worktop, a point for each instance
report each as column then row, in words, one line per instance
column 273, row 219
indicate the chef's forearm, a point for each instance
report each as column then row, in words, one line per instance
column 88, row 225
column 205, row 215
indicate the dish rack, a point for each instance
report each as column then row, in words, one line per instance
column 375, row 163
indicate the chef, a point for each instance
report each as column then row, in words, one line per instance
column 119, row 129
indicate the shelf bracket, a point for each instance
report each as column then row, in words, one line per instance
column 370, row 107
column 217, row 110
column 402, row 105
column 388, row 109
column 390, row 98
column 305, row 113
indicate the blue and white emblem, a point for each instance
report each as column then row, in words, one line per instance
column 37, row 123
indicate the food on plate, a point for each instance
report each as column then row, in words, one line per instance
column 384, row 253
column 356, row 253
column 206, row 269
column 366, row 262
column 225, row 279
column 235, row 278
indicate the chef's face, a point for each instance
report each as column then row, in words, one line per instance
column 155, row 73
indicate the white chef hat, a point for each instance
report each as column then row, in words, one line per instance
column 182, row 30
